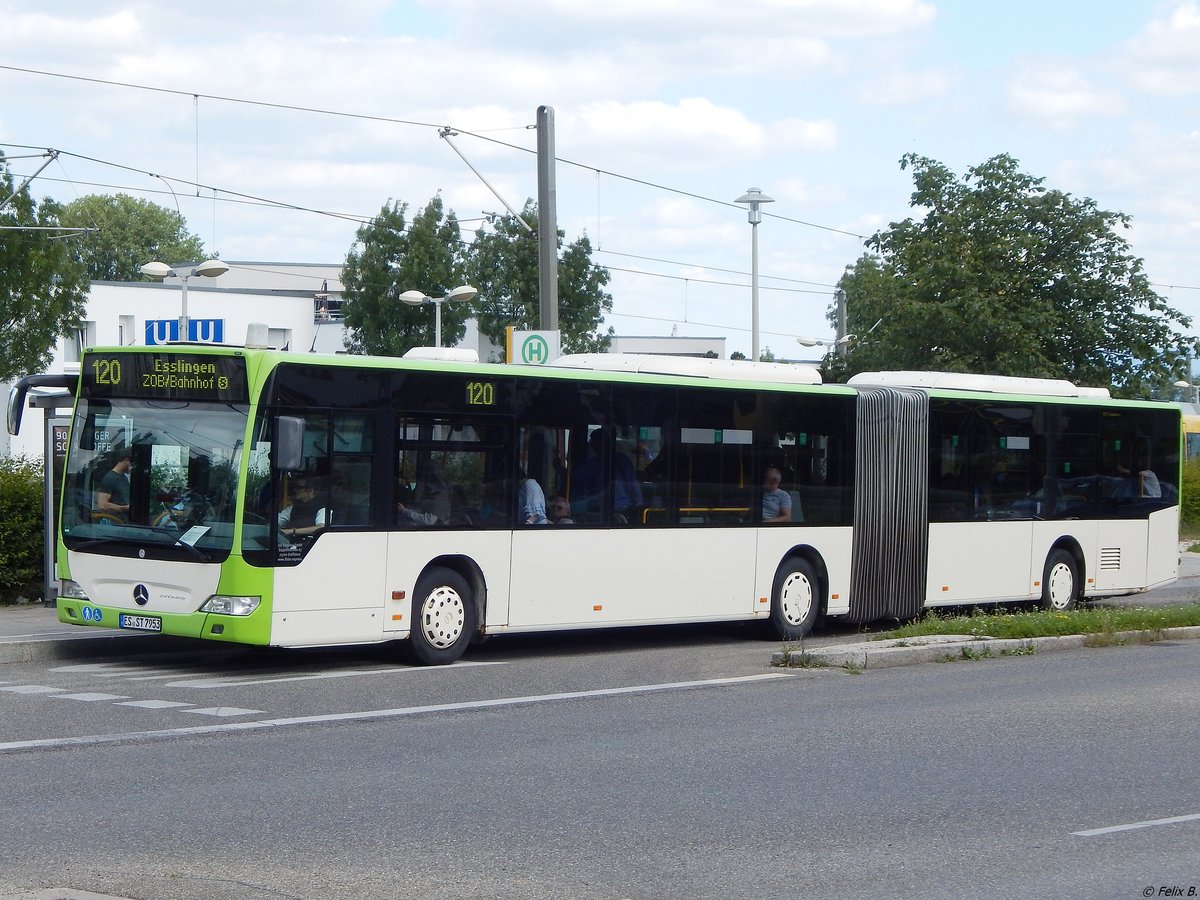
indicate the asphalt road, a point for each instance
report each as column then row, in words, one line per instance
column 660, row 763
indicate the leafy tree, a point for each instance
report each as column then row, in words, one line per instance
column 129, row 233
column 1001, row 275
column 503, row 265
column 43, row 287
column 737, row 354
column 389, row 258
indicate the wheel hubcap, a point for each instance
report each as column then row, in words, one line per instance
column 443, row 617
column 795, row 599
column 1061, row 586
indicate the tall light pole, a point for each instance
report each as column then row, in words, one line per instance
column 210, row 268
column 754, row 198
column 417, row 298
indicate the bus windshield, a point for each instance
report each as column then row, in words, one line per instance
column 156, row 477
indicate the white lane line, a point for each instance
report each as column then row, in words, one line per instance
column 223, row 712
column 1132, row 826
column 91, row 698
column 31, row 689
column 236, row 681
column 154, row 704
column 94, row 739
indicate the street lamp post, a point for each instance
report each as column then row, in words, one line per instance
column 417, row 298
column 754, row 198
column 210, row 268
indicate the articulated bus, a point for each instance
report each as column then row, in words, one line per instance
column 297, row 500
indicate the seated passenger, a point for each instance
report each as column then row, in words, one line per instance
column 430, row 503
column 776, row 503
column 531, row 502
column 560, row 511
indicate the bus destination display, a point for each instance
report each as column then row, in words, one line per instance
column 168, row 376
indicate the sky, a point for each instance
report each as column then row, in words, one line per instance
column 279, row 127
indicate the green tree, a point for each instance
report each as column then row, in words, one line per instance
column 391, row 257
column 1002, row 275
column 503, row 265
column 21, row 526
column 129, row 233
column 43, row 286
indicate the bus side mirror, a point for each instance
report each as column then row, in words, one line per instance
column 287, row 454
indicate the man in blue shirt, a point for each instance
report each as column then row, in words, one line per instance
column 776, row 503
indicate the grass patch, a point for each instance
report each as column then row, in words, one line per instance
column 1003, row 623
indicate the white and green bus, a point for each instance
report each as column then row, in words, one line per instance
column 299, row 500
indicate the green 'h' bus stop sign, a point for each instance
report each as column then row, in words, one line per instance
column 533, row 348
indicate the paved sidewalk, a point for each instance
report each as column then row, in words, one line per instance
column 32, row 633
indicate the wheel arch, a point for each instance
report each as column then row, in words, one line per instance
column 1071, row 545
column 812, row 556
column 470, row 571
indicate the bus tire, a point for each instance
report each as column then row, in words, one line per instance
column 1060, row 582
column 795, row 600
column 443, row 618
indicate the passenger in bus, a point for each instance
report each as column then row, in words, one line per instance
column 430, row 503
column 531, row 501
column 305, row 515
column 112, row 495
column 776, row 503
column 588, row 486
column 560, row 510
column 492, row 511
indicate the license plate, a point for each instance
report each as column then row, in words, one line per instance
column 140, row 623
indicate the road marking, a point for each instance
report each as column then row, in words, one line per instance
column 91, row 698
column 154, row 704
column 237, row 681
column 166, row 733
column 31, row 689
column 223, row 711
column 1149, row 823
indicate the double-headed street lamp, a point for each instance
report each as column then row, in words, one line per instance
column 839, row 343
column 754, row 198
column 416, row 298
column 210, row 268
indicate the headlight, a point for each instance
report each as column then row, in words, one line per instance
column 71, row 590
column 230, row 606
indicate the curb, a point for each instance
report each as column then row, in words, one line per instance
column 89, row 648
column 949, row 647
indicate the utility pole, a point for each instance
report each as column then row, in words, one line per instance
column 547, row 221
column 840, row 297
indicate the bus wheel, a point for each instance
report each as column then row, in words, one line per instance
column 443, row 618
column 795, row 600
column 1060, row 582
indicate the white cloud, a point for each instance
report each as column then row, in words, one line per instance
column 1163, row 59
column 902, row 87
column 1058, row 95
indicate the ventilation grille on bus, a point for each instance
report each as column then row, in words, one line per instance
column 1110, row 559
